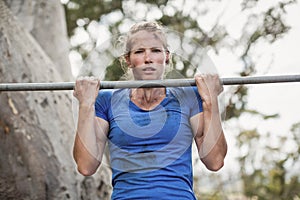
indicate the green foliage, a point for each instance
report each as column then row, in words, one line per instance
column 88, row 10
column 274, row 179
column 114, row 71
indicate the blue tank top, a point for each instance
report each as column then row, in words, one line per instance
column 150, row 151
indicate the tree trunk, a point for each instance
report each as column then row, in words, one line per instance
column 36, row 128
column 45, row 20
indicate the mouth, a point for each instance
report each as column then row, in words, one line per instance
column 149, row 69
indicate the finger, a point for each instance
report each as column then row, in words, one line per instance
column 78, row 81
column 200, row 80
column 99, row 84
column 74, row 93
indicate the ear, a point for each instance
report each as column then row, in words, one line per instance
column 167, row 57
column 127, row 59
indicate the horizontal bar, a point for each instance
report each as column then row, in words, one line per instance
column 148, row 83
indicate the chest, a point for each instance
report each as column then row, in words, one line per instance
column 134, row 129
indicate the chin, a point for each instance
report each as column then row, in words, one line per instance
column 148, row 78
column 151, row 78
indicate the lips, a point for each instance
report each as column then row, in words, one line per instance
column 149, row 69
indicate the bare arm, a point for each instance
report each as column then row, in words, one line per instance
column 207, row 126
column 91, row 131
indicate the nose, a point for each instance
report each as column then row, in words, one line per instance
column 147, row 56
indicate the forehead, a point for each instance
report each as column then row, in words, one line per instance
column 143, row 38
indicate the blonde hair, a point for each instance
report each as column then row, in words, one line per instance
column 127, row 43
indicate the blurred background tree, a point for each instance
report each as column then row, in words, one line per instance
column 37, row 128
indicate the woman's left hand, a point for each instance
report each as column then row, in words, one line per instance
column 209, row 87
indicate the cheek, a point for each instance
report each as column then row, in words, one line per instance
column 134, row 60
column 160, row 59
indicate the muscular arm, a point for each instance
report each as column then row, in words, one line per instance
column 207, row 126
column 90, row 141
column 91, row 131
column 209, row 138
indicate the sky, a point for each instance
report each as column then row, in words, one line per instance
column 280, row 58
column 284, row 58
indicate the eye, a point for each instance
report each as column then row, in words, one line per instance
column 138, row 51
column 157, row 50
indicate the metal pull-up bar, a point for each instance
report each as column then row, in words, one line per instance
column 148, row 83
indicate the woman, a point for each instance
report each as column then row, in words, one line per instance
column 149, row 130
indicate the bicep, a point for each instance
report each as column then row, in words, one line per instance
column 101, row 129
column 197, row 123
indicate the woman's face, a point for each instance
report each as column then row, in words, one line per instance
column 148, row 56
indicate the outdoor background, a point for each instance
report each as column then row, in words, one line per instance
column 51, row 41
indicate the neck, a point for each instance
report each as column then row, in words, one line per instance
column 148, row 94
column 148, row 97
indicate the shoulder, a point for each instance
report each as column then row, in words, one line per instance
column 189, row 97
column 108, row 95
column 185, row 92
column 104, row 95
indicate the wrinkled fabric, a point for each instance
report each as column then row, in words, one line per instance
column 150, row 151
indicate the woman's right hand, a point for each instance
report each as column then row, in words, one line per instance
column 86, row 90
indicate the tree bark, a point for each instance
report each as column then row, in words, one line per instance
column 45, row 20
column 36, row 128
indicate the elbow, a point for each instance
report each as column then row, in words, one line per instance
column 215, row 166
column 86, row 171
column 213, row 163
column 87, row 168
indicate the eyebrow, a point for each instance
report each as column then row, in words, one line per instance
column 148, row 48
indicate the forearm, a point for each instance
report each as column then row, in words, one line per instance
column 87, row 153
column 213, row 146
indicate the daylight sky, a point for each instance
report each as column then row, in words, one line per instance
column 281, row 57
